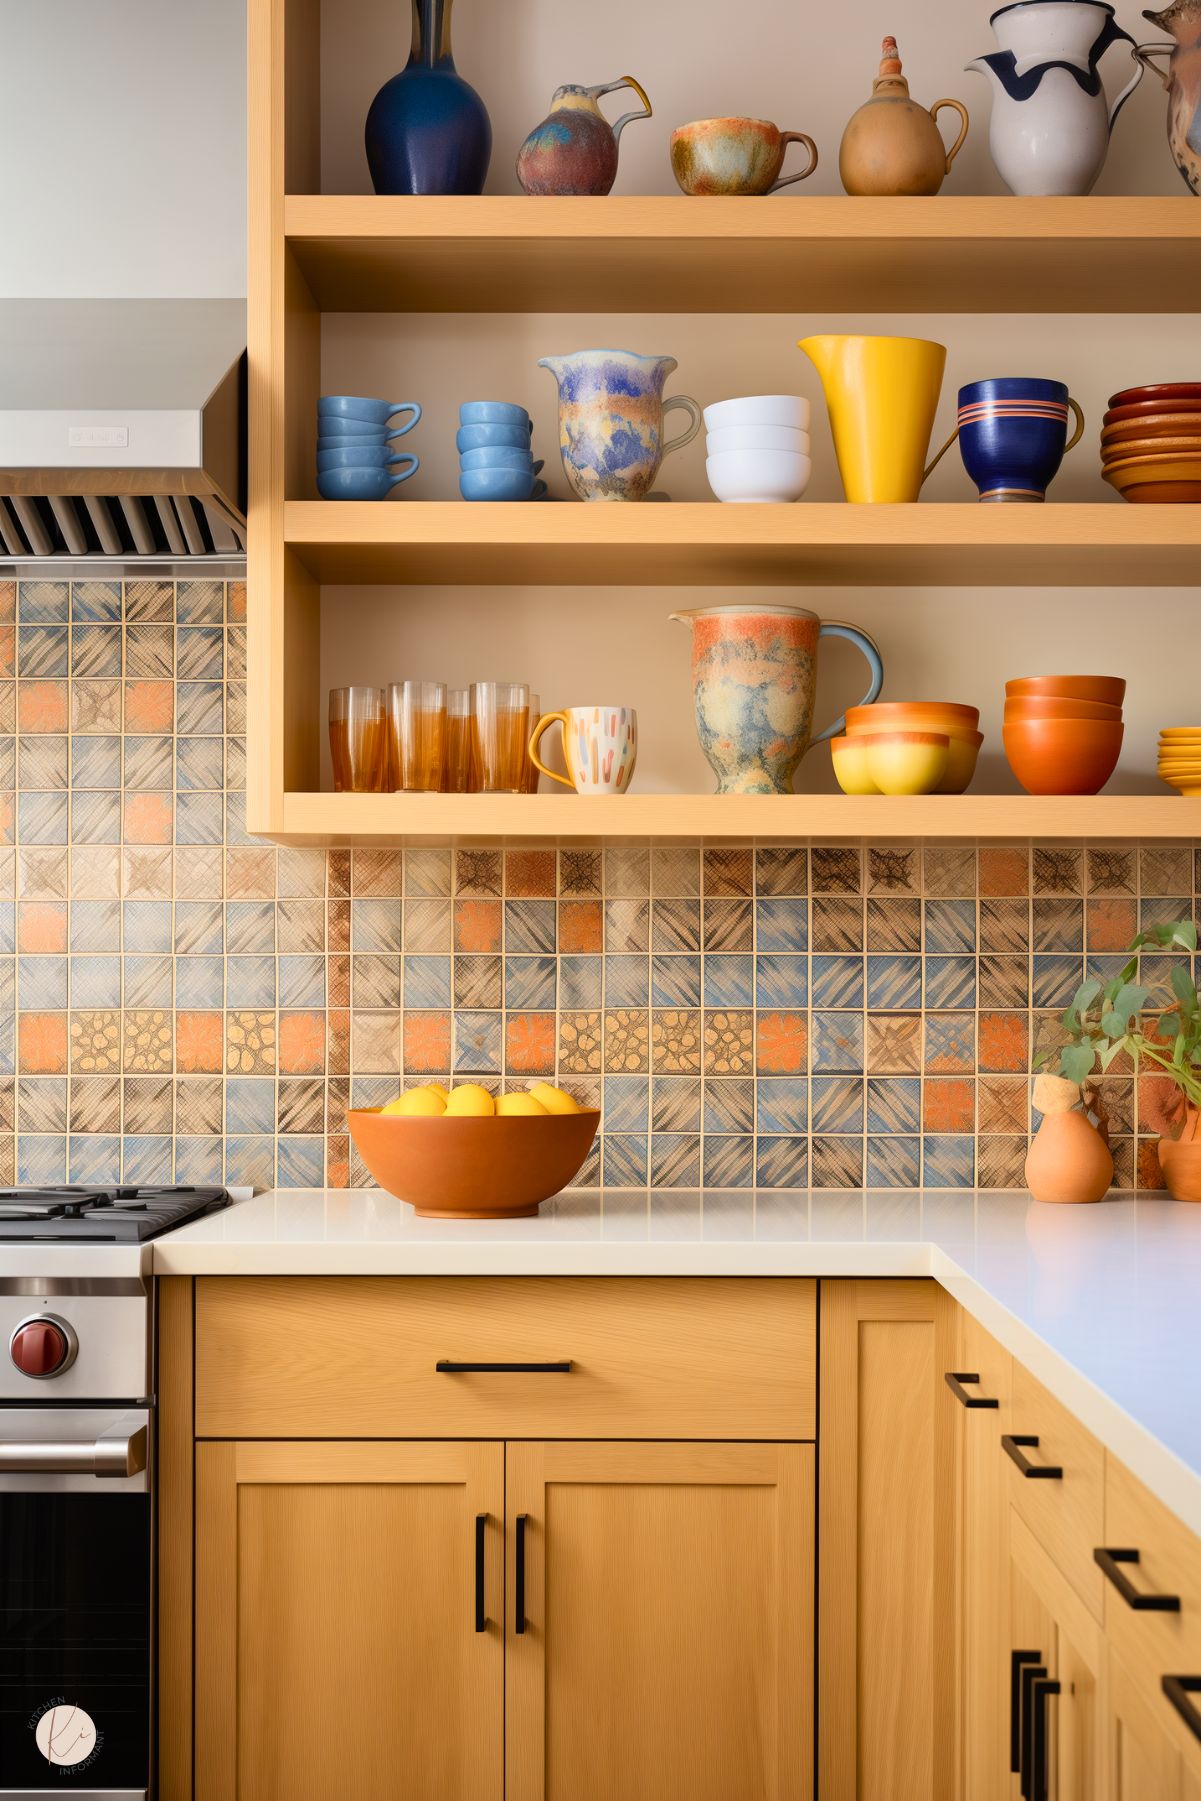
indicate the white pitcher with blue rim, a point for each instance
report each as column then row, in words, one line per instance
column 1051, row 119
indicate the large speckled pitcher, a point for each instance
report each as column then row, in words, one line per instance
column 611, row 409
column 754, row 678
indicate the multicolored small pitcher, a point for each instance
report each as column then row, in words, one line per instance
column 600, row 748
column 611, row 409
column 754, row 680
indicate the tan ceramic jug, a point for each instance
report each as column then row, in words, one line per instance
column 892, row 145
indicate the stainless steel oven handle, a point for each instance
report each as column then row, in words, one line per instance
column 112, row 1454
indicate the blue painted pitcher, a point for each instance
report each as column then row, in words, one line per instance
column 611, row 409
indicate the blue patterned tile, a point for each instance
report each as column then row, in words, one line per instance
column 374, row 981
column 301, row 1163
column 627, row 924
column 950, row 926
column 948, row 1162
column 675, row 925
column 250, row 1162
column 200, row 763
column 375, row 924
column 42, row 650
column 235, row 818
column 581, row 982
column 478, row 1046
column 893, row 1163
column 199, row 927
column 894, row 980
column 950, row 981
column 837, row 1104
column 729, row 980
column 199, row 708
column 147, row 926
column 950, row 1043
column 1055, row 979
column 95, row 651
column 728, row 925
column 782, row 1163
column 42, row 818
column 675, row 1160
column 781, row 981
column 1104, row 969
column 781, row 1104
column 627, row 982
column 41, row 1160
column 836, row 981
column 96, row 762
column 200, row 602
column 729, row 1105
column 8, row 927
column 894, row 1104
column 728, row 1162
column 200, row 653
column 93, row 1157
column 8, row 985
column 374, row 1091
column 42, row 761
column 198, row 819
column 96, row 818
column 41, row 983
column 624, row 1161
column 250, row 1104
column 8, row 1044
column 836, row 1042
column 250, row 981
column 626, row 1106
column 148, row 764
column 95, row 925
column 426, row 981
column 199, row 982
column 676, row 1105
column 198, row 1160
column 44, row 601
column 782, row 924
column 96, row 600
column 676, row 981
column 146, row 981
column 836, row 1162
column 530, row 925
column 96, row 982
column 250, row 927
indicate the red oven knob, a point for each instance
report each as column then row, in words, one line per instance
column 43, row 1346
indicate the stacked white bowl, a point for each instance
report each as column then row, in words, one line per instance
column 757, row 448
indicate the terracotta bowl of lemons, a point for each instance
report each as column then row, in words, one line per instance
column 465, row 1155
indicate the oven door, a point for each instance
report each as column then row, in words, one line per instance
column 75, row 1602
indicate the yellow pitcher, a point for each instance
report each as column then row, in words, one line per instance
column 881, row 395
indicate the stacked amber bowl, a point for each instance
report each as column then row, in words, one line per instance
column 1151, row 443
column 1180, row 758
column 907, row 747
column 1063, row 733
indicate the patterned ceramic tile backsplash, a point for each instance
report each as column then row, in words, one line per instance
column 180, row 1001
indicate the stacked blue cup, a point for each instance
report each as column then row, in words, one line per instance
column 495, row 460
column 356, row 458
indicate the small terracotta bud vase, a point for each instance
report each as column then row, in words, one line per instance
column 1069, row 1160
column 892, row 145
column 1180, row 1160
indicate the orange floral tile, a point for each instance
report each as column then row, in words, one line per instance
column 337, row 1025
column 302, row 1043
column 42, row 1043
column 1004, row 1041
column 1149, row 1173
column 149, row 706
column 530, row 1043
column 235, row 600
column 42, row 926
column 199, row 1043
column 948, row 1104
column 148, row 819
column 426, row 1043
column 1003, row 870
column 581, row 926
column 530, row 873
column 7, row 816
column 42, row 706
column 1110, row 924
column 781, row 1044
column 477, row 926
column 1158, row 1105
column 337, row 1161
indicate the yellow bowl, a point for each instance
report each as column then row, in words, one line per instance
column 907, row 762
column 849, row 757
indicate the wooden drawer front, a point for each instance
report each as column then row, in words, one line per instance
column 1064, row 1513
column 1152, row 1644
column 978, row 1354
column 338, row 1357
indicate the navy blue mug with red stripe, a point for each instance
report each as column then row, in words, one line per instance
column 1013, row 434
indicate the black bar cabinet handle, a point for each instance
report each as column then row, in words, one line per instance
column 1110, row 1561
column 446, row 1367
column 1017, row 1659
column 1032, row 1673
column 481, row 1618
column 1010, row 1443
column 1040, row 1756
column 1178, row 1689
column 955, row 1380
column 519, row 1576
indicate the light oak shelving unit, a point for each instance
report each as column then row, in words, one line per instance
column 312, row 252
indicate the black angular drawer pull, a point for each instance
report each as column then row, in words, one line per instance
column 955, row 1380
column 519, row 1576
column 1017, row 1661
column 1032, row 1674
column 1178, row 1689
column 481, row 1617
column 1040, row 1753
column 446, row 1367
column 1110, row 1561
column 1011, row 1443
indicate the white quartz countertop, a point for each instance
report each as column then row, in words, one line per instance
column 1102, row 1304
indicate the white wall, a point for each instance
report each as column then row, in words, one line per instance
column 123, row 148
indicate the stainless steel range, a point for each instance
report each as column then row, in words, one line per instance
column 77, row 1447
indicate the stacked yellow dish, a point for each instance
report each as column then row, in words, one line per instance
column 1180, row 758
column 907, row 747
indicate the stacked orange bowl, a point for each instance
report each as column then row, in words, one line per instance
column 1062, row 733
column 1180, row 758
column 907, row 747
column 1151, row 442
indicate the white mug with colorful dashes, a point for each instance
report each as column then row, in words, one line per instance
column 600, row 748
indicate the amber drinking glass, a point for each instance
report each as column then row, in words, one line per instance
column 416, row 736
column 357, row 739
column 456, row 771
column 530, row 783
column 500, row 729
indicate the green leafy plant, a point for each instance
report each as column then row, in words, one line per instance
column 1106, row 1018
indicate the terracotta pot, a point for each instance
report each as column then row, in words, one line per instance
column 473, row 1168
column 1046, row 706
column 1108, row 688
column 1181, row 1166
column 1069, row 1160
column 1062, row 756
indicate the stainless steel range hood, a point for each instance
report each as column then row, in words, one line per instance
column 122, row 434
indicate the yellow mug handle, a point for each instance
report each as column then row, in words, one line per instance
column 548, row 719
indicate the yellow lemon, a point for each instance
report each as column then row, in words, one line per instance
column 519, row 1103
column 469, row 1100
column 554, row 1100
column 418, row 1103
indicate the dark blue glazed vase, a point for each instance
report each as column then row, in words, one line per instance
column 428, row 131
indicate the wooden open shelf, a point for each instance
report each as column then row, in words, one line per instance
column 459, row 818
column 709, row 544
column 799, row 253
